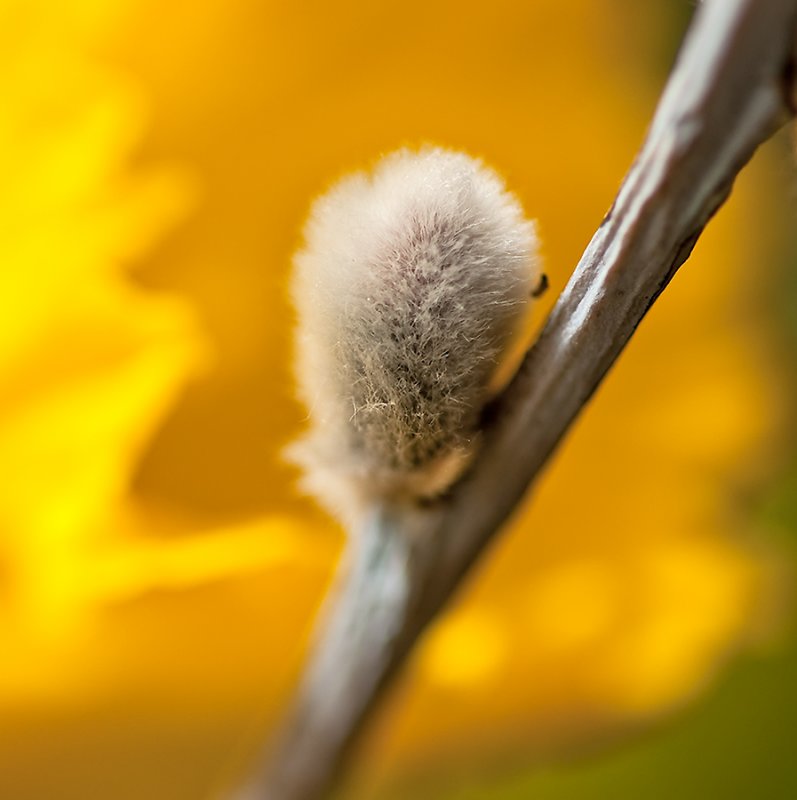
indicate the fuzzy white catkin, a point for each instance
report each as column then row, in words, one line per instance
column 411, row 283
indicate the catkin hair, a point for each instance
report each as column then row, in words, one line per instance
column 411, row 282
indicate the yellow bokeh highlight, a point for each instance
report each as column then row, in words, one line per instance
column 573, row 606
column 467, row 651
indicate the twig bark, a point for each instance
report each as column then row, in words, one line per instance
column 729, row 91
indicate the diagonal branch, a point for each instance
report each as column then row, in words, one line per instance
column 729, row 91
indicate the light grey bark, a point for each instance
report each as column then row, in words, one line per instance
column 730, row 89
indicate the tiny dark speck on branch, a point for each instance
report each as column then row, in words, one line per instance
column 541, row 287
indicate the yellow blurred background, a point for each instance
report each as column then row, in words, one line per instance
column 158, row 570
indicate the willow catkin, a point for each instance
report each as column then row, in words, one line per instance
column 410, row 285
